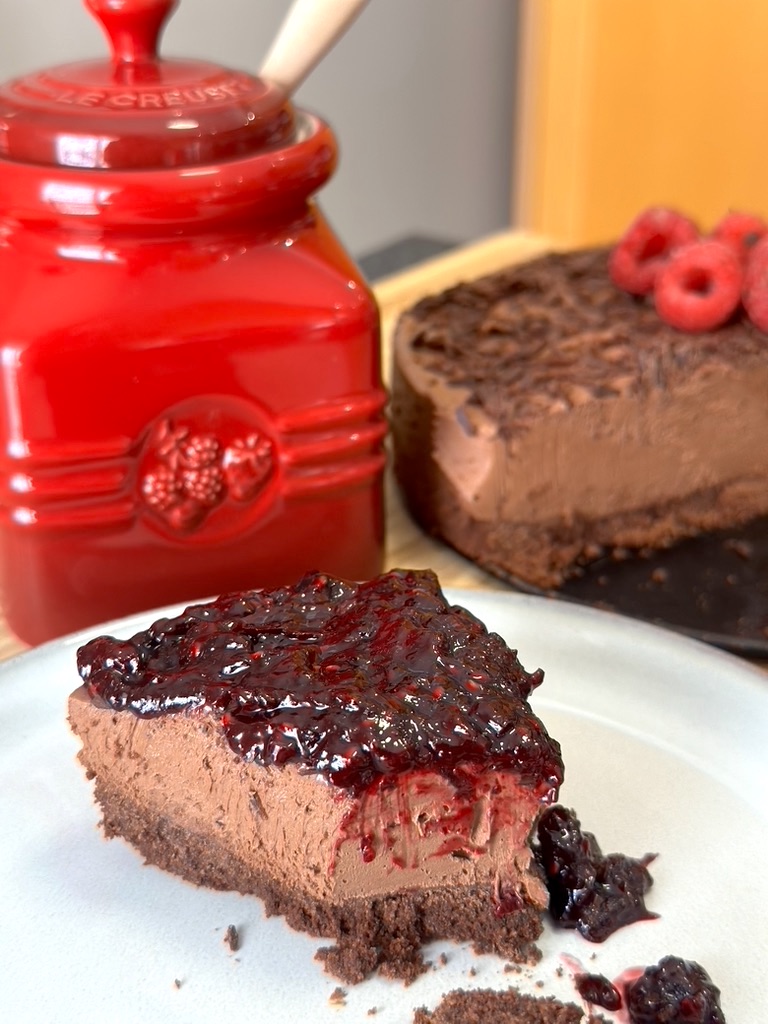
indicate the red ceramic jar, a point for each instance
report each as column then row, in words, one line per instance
column 191, row 395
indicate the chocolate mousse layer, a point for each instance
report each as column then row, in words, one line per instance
column 542, row 417
column 362, row 756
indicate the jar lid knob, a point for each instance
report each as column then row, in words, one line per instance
column 133, row 27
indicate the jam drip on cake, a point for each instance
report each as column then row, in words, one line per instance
column 359, row 682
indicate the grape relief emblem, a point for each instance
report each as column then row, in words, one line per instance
column 190, row 474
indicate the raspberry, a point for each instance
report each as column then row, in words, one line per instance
column 700, row 287
column 203, row 486
column 201, row 450
column 741, row 231
column 161, row 489
column 755, row 291
column 645, row 247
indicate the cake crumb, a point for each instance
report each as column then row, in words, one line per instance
column 373, row 1011
column 177, row 982
column 232, row 938
column 338, row 997
column 443, row 958
column 742, row 548
column 505, row 1007
column 659, row 575
column 472, row 972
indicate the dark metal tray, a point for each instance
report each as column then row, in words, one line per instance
column 713, row 587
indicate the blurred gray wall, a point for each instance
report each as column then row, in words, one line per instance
column 419, row 92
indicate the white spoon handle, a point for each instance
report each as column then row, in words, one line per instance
column 308, row 32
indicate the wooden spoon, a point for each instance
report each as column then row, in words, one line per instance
column 308, row 32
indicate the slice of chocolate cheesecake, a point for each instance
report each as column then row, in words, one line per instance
column 363, row 757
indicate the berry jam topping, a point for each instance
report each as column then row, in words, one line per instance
column 675, row 991
column 594, row 893
column 596, row 989
column 359, row 682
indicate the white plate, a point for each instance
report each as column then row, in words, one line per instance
column 664, row 741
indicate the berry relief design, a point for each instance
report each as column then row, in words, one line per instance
column 188, row 473
column 247, row 464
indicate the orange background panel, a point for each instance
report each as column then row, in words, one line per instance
column 628, row 103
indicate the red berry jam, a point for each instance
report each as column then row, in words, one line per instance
column 358, row 682
column 599, row 991
column 596, row 893
column 675, row 991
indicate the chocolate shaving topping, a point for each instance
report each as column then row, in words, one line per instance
column 557, row 334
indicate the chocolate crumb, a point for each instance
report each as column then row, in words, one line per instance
column 338, row 997
column 443, row 959
column 742, row 548
column 472, row 972
column 373, row 1011
column 232, row 938
column 483, row 1006
column 177, row 982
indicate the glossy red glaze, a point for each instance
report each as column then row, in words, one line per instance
column 191, row 394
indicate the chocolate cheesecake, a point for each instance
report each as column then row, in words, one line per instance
column 363, row 757
column 543, row 418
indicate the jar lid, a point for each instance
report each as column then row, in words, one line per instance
column 139, row 111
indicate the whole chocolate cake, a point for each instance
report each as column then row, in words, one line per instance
column 542, row 417
column 361, row 756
